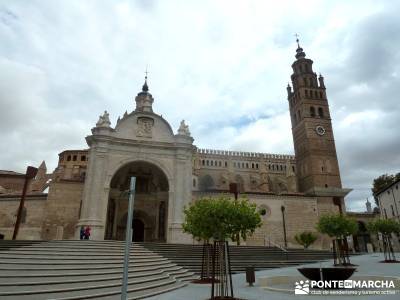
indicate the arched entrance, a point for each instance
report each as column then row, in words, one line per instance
column 361, row 238
column 138, row 230
column 150, row 204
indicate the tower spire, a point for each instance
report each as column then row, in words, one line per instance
column 299, row 51
column 145, row 87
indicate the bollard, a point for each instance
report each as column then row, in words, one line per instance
column 250, row 275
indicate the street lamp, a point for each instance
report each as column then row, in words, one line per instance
column 284, row 225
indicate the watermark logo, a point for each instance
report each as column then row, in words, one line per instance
column 345, row 287
column 302, row 287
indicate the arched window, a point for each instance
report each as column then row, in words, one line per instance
column 256, row 166
column 226, row 164
column 83, row 158
column 206, row 182
column 208, row 163
column 247, row 165
column 312, row 111
column 69, row 158
column 74, row 158
column 212, row 163
column 203, row 162
column 306, row 92
column 320, row 112
column 220, row 163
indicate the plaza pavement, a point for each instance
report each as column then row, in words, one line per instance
column 368, row 264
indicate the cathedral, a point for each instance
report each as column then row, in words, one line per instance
column 89, row 186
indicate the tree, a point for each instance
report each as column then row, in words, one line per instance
column 220, row 219
column 338, row 226
column 245, row 219
column 385, row 227
column 305, row 238
column 382, row 182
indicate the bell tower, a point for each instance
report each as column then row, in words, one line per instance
column 317, row 165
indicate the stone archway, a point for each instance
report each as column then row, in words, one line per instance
column 150, row 206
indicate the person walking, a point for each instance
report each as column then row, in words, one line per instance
column 82, row 233
column 87, row 232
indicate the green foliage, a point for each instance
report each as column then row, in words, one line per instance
column 221, row 218
column 245, row 219
column 305, row 238
column 384, row 226
column 263, row 211
column 382, row 182
column 337, row 226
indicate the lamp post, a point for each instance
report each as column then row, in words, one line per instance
column 128, row 238
column 30, row 174
column 233, row 188
column 284, row 225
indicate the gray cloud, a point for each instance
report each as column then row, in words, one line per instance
column 65, row 62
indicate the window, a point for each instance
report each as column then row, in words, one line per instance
column 312, row 111
column 320, row 112
column 69, row 158
column 242, row 164
column 220, row 163
column 293, row 168
column 247, row 165
column 74, row 158
column 306, row 92
column 320, row 94
column 226, row 164
column 256, row 166
column 234, row 164
column 83, row 158
column 212, row 163
column 203, row 162
column 194, row 182
column 252, row 165
column 208, row 163
column 326, row 185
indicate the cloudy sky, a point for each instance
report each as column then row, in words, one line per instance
column 223, row 66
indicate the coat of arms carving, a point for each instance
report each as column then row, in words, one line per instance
column 145, row 127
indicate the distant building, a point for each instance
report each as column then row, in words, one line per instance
column 88, row 187
column 362, row 240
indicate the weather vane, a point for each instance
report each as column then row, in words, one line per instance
column 297, row 39
column 146, row 72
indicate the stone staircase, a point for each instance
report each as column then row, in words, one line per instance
column 261, row 257
column 83, row 270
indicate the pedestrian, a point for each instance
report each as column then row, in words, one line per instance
column 87, row 232
column 82, row 233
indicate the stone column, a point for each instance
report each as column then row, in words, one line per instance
column 92, row 213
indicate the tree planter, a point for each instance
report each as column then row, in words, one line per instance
column 327, row 274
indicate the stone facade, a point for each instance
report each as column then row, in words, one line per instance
column 89, row 187
column 389, row 206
